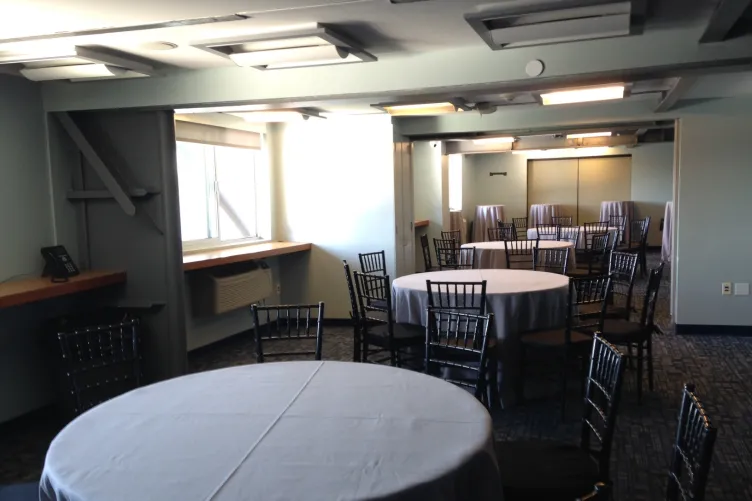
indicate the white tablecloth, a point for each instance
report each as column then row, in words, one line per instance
column 491, row 255
column 532, row 234
column 667, row 225
column 486, row 216
column 622, row 208
column 457, row 222
column 280, row 431
column 542, row 213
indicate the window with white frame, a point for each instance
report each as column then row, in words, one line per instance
column 218, row 194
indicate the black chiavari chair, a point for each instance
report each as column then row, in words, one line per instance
column 377, row 322
column 373, row 262
column 101, row 358
column 594, row 259
column 561, row 220
column 620, row 223
column 520, row 227
column 519, row 254
column 570, row 234
column 541, row 469
column 551, row 260
column 692, row 452
column 547, row 232
column 451, row 257
column 456, row 349
column 638, row 241
column 299, row 323
column 622, row 332
column 354, row 314
column 500, row 234
column 465, row 297
column 426, row 253
column 621, row 267
column 452, row 235
column 586, row 295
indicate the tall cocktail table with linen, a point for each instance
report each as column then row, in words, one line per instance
column 619, row 208
column 280, row 431
column 491, row 255
column 542, row 214
column 668, row 217
column 486, row 216
column 521, row 300
column 532, row 234
column 457, row 222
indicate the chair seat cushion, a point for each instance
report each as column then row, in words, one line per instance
column 545, row 470
column 618, row 330
column 20, row 492
column 554, row 337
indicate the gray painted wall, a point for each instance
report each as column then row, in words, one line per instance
column 714, row 231
column 427, row 199
column 26, row 225
column 652, row 182
column 333, row 183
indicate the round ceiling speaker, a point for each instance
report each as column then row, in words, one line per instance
column 534, row 68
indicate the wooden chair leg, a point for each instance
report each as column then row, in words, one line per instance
column 650, row 363
column 640, row 358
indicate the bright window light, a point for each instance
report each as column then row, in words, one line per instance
column 455, row 182
column 583, row 95
column 595, row 151
column 494, row 140
column 421, row 109
column 217, row 187
column 588, row 134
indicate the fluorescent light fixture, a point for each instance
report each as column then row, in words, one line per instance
column 274, row 116
column 297, row 55
column 589, row 134
column 494, row 140
column 421, row 109
column 77, row 72
column 594, row 151
column 46, row 54
column 583, row 95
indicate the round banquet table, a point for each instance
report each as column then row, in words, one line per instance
column 521, row 300
column 542, row 214
column 280, row 431
column 490, row 255
column 486, row 216
column 532, row 234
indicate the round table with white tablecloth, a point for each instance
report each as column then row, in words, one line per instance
column 486, row 216
column 521, row 300
column 280, row 431
column 542, row 214
column 491, row 255
column 619, row 208
column 532, row 234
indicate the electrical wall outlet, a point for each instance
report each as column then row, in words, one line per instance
column 726, row 288
column 279, row 288
column 741, row 289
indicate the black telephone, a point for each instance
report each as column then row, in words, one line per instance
column 58, row 264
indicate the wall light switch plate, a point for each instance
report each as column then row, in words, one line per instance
column 726, row 288
column 741, row 289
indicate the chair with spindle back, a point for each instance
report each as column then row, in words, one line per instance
column 594, row 259
column 452, row 235
column 570, row 234
column 373, row 262
column 692, row 451
column 101, row 358
column 466, row 297
column 551, row 260
column 586, row 295
column 547, row 232
column 426, row 253
column 638, row 241
column 301, row 324
column 561, row 220
column 456, row 349
column 450, row 256
column 354, row 314
column 519, row 254
column 500, row 234
column 542, row 469
column 620, row 223
column 621, row 331
column 621, row 267
column 591, row 230
column 377, row 320
column 520, row 227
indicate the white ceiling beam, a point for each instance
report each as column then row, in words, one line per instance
column 670, row 98
column 725, row 16
column 669, row 53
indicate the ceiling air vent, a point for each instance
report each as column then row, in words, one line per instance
column 551, row 23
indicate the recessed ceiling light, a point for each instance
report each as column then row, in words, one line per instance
column 158, row 46
column 589, row 134
column 78, row 72
column 494, row 140
column 323, row 54
column 583, row 95
column 425, row 109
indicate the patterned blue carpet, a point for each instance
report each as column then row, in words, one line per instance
column 720, row 367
